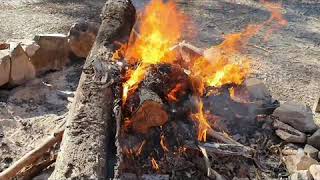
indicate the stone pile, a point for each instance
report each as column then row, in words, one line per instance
column 22, row 59
column 295, row 125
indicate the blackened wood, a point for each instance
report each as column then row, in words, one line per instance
column 85, row 142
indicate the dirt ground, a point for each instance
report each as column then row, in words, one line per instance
column 289, row 63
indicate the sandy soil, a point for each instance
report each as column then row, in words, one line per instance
column 289, row 63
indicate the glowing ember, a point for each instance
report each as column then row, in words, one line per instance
column 172, row 96
column 141, row 147
column 154, row 163
column 162, row 143
column 203, row 124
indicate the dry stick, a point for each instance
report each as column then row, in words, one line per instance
column 36, row 169
column 224, row 149
column 32, row 156
column 222, row 137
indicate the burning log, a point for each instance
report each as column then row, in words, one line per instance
column 90, row 124
column 150, row 114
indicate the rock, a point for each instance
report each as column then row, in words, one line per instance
column 290, row 149
column 299, row 161
column 4, row 66
column 21, row 67
column 82, row 36
column 52, row 54
column 301, row 175
column 288, row 133
column 257, row 89
column 296, row 115
column 29, row 46
column 4, row 45
column 316, row 106
column 260, row 97
column 314, row 140
column 311, row 151
column 315, row 171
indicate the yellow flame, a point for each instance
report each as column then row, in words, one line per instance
column 203, row 124
column 132, row 83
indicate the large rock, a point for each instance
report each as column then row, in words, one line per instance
column 297, row 115
column 288, row 133
column 259, row 95
column 21, row 67
column 53, row 53
column 301, row 175
column 299, row 161
column 314, row 140
column 82, row 36
column 4, row 66
column 315, row 171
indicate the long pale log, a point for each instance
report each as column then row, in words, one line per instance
column 85, row 143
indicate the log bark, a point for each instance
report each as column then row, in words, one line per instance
column 86, row 140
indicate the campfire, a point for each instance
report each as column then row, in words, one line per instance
column 181, row 103
column 150, row 104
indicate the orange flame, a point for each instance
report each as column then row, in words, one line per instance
column 224, row 64
column 276, row 16
column 160, row 29
column 154, row 164
column 203, row 124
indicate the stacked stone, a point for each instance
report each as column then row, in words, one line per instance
column 23, row 60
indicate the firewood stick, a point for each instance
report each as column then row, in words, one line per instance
column 224, row 149
column 36, row 169
column 32, row 156
column 222, row 137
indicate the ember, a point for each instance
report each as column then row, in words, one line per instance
column 174, row 92
column 154, row 163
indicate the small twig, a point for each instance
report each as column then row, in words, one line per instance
column 223, row 137
column 259, row 47
column 34, row 155
column 206, row 160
